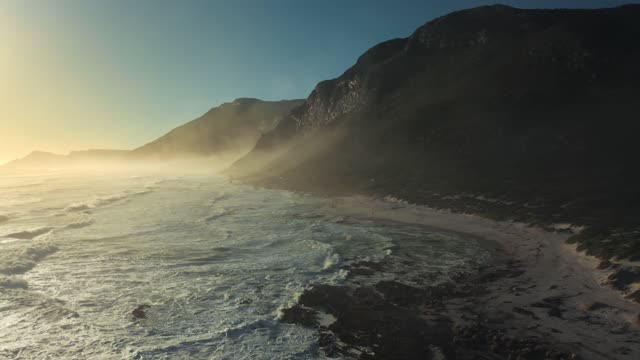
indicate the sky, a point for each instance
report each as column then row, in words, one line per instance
column 80, row 74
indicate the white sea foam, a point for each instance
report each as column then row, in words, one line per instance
column 98, row 201
column 87, row 221
column 29, row 234
column 214, row 260
column 104, row 200
column 331, row 261
column 396, row 201
column 17, row 260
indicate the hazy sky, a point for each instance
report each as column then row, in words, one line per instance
column 77, row 74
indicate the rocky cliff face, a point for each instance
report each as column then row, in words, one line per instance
column 230, row 128
column 566, row 47
column 534, row 108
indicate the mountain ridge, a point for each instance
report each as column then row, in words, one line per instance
column 231, row 129
column 529, row 106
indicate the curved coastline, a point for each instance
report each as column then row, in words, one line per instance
column 535, row 298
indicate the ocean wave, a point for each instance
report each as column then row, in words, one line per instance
column 12, row 201
column 104, row 200
column 3, row 218
column 99, row 201
column 152, row 184
column 30, row 234
column 33, row 233
column 331, row 261
column 80, row 224
column 20, row 186
column 21, row 260
column 219, row 214
column 219, row 197
column 11, row 282
column 327, row 254
column 307, row 216
column 396, row 203
column 212, row 340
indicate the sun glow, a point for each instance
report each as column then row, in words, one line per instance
column 53, row 87
column 29, row 88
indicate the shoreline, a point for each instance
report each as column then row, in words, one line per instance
column 536, row 298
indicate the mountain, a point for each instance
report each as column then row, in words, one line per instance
column 530, row 115
column 38, row 159
column 231, row 128
column 97, row 154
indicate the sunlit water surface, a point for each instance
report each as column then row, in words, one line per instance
column 215, row 262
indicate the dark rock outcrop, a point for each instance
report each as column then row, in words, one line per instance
column 299, row 315
column 621, row 279
column 365, row 318
column 140, row 311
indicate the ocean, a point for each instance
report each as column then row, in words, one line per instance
column 212, row 264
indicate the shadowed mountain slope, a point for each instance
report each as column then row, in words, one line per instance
column 534, row 109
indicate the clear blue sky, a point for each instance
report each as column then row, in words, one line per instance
column 116, row 73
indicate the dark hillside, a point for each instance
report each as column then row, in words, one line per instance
column 534, row 109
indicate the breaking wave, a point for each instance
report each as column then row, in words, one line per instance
column 215, row 261
column 18, row 261
column 11, row 282
column 80, row 224
column 104, row 200
column 30, row 234
column 331, row 261
column 99, row 201
column 219, row 214
column 219, row 197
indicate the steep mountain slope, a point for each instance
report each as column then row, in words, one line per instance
column 535, row 109
column 230, row 128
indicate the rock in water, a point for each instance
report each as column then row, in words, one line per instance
column 300, row 315
column 139, row 312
